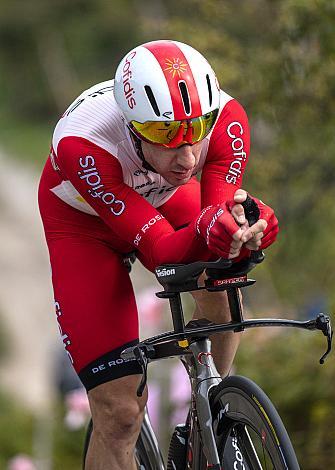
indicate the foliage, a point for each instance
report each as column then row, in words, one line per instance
column 286, row 366
column 22, row 433
column 15, row 430
column 41, row 45
column 277, row 57
column 68, row 445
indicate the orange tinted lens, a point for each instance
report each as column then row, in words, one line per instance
column 161, row 132
column 203, row 125
column 164, row 132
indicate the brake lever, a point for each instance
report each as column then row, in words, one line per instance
column 322, row 323
column 142, row 355
column 143, row 362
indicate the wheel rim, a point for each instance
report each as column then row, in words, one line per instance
column 246, row 449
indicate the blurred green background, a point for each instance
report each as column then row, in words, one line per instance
column 277, row 57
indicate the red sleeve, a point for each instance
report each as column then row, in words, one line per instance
column 227, row 155
column 97, row 176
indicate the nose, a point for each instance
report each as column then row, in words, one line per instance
column 185, row 157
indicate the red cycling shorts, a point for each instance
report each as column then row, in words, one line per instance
column 94, row 299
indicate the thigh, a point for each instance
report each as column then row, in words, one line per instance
column 184, row 205
column 95, row 308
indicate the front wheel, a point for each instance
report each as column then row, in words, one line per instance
column 248, row 430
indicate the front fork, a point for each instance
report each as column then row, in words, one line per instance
column 204, row 375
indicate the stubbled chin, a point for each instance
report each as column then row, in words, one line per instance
column 176, row 181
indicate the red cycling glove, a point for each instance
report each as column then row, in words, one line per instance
column 217, row 226
column 272, row 229
column 219, row 229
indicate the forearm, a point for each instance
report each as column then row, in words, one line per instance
column 181, row 246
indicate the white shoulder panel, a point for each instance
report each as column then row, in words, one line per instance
column 68, row 193
column 94, row 116
column 224, row 98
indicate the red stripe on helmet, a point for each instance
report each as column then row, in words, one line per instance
column 176, row 68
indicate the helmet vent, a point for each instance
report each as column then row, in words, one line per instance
column 209, row 90
column 185, row 97
column 152, row 99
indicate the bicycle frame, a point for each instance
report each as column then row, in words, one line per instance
column 203, row 375
column 191, row 343
column 194, row 348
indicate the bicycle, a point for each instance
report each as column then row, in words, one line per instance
column 231, row 424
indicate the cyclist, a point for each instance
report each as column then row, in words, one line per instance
column 121, row 177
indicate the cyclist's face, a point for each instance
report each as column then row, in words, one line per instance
column 175, row 165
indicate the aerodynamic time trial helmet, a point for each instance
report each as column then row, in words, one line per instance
column 168, row 93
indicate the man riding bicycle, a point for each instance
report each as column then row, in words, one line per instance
column 121, row 176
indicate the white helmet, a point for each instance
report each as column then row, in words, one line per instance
column 171, row 82
column 165, row 80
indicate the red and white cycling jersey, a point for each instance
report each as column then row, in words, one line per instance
column 101, row 173
column 94, row 116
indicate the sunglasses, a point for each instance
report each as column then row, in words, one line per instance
column 173, row 134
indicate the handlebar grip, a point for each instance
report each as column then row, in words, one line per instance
column 252, row 213
column 251, row 210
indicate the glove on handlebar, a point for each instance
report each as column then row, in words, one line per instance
column 272, row 229
column 217, row 227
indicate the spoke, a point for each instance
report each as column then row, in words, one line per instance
column 253, row 447
column 266, row 467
